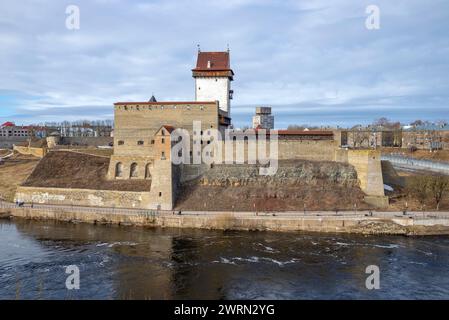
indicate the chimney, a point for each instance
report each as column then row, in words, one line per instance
column 208, row 64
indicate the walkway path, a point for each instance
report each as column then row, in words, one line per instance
column 286, row 214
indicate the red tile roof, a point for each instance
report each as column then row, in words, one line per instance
column 213, row 61
column 168, row 128
column 8, row 124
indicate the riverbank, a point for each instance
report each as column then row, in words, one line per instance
column 387, row 223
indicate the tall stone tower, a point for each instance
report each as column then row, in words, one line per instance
column 213, row 76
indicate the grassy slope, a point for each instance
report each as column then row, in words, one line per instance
column 14, row 172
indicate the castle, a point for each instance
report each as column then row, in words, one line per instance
column 141, row 173
column 142, row 141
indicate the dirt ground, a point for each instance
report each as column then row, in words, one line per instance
column 13, row 172
column 4, row 152
column 439, row 155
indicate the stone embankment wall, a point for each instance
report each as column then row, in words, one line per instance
column 230, row 221
column 84, row 197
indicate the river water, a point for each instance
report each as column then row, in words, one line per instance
column 139, row 263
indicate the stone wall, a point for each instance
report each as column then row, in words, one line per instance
column 235, row 221
column 135, row 123
column 84, row 197
column 36, row 152
column 9, row 142
column 86, row 141
column 369, row 171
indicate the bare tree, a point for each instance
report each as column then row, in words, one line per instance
column 438, row 186
column 417, row 188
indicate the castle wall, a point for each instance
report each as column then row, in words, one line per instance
column 135, row 123
column 369, row 170
column 315, row 150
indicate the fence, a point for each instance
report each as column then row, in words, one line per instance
column 401, row 161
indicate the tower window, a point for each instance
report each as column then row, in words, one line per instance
column 121, row 143
column 162, row 140
column 140, row 143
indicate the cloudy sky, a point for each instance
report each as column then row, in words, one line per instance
column 314, row 62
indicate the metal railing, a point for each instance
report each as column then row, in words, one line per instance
column 400, row 160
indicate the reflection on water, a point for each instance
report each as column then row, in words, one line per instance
column 137, row 263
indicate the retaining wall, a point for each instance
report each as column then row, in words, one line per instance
column 364, row 225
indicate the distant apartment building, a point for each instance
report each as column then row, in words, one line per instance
column 9, row 129
column 429, row 137
column 263, row 118
column 373, row 137
column 86, row 131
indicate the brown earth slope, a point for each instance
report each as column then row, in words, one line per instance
column 63, row 169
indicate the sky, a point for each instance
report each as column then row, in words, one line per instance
column 314, row 62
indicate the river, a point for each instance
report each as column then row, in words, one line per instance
column 140, row 263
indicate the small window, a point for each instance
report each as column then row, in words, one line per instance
column 160, row 194
column 163, row 155
column 162, row 140
column 121, row 143
column 140, row 143
column 152, row 141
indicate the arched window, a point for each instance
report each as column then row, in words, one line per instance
column 119, row 170
column 147, row 171
column 133, row 171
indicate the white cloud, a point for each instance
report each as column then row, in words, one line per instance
column 283, row 53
